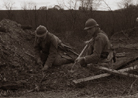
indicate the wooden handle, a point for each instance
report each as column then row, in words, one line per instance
column 83, row 51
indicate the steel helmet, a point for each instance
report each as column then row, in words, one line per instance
column 137, row 19
column 41, row 31
column 90, row 23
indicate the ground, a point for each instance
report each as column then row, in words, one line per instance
column 19, row 73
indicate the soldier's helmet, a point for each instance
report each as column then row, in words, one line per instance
column 41, row 31
column 90, row 23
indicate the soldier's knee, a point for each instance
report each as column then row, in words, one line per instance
column 61, row 61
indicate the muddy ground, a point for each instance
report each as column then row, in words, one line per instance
column 19, row 73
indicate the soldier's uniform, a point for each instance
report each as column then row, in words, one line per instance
column 51, row 50
column 99, row 48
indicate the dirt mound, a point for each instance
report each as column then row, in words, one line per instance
column 17, row 58
column 15, row 45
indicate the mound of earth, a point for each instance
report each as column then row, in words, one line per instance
column 17, row 58
column 16, row 45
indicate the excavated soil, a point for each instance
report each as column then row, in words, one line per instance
column 19, row 72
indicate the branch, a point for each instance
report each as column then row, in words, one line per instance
column 107, row 5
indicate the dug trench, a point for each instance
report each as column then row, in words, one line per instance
column 19, row 72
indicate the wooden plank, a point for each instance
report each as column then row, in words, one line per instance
column 123, row 54
column 102, row 75
column 122, row 62
column 113, row 71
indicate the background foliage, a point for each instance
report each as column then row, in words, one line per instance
column 69, row 24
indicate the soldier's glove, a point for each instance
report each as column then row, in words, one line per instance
column 81, row 61
column 45, row 68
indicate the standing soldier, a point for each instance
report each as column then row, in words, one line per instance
column 99, row 46
column 49, row 49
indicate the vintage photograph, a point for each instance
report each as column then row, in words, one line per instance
column 68, row 48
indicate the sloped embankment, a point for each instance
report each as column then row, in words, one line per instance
column 17, row 58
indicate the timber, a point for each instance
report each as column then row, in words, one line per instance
column 118, row 65
column 102, row 75
column 123, row 62
column 120, row 55
column 112, row 71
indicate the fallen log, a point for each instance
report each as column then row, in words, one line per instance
column 102, row 75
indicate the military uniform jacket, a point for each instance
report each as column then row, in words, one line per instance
column 100, row 45
column 47, row 46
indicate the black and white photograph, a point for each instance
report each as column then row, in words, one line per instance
column 68, row 48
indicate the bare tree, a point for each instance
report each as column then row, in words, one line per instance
column 70, row 4
column 76, row 4
column 124, row 3
column 29, row 16
column 128, row 13
column 28, row 6
column 8, row 4
column 89, row 4
column 107, row 6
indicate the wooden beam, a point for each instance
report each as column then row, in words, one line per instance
column 123, row 54
column 122, row 62
column 113, row 71
column 102, row 75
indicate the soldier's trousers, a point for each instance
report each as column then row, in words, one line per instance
column 60, row 59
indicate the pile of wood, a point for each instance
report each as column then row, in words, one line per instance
column 117, row 69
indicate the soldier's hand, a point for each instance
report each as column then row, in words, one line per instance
column 39, row 61
column 45, row 68
column 81, row 61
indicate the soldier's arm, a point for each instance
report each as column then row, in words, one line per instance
column 54, row 42
column 52, row 55
column 98, row 47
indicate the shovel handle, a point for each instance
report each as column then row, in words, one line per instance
column 82, row 51
column 85, row 48
column 80, row 55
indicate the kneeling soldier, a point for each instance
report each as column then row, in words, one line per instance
column 99, row 47
column 50, row 51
